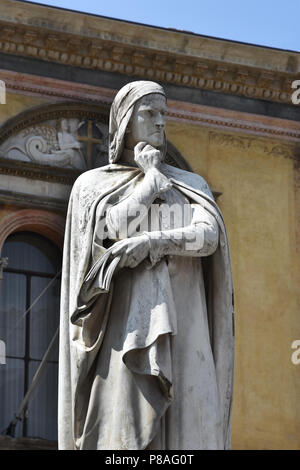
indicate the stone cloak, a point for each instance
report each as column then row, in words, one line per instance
column 83, row 324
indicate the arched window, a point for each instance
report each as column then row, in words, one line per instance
column 29, row 317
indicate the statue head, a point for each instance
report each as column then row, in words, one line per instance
column 137, row 115
column 147, row 122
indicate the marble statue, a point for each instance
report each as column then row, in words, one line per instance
column 146, row 332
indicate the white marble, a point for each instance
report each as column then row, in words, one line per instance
column 146, row 335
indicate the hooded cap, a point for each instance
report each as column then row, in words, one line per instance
column 121, row 112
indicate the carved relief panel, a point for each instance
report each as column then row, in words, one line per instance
column 65, row 143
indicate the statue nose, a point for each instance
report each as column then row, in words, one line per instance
column 160, row 122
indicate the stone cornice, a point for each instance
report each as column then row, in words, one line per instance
column 38, row 172
column 216, row 118
column 137, row 35
column 234, row 121
column 146, row 52
column 50, row 88
column 13, row 198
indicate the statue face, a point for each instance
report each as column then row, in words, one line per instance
column 147, row 123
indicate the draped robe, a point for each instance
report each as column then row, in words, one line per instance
column 147, row 363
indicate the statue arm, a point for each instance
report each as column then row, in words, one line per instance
column 199, row 238
column 124, row 218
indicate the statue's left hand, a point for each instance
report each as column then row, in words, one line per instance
column 132, row 250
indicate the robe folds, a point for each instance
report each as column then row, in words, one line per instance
column 116, row 361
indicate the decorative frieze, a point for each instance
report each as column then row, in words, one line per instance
column 146, row 62
column 253, row 144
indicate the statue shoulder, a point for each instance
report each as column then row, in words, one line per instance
column 100, row 181
column 92, row 178
column 189, row 178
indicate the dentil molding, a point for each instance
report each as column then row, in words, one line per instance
column 146, row 62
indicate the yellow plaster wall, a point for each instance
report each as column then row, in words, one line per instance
column 16, row 103
column 258, row 204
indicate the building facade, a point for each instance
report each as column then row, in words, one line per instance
column 230, row 118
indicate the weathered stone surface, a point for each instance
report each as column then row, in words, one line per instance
column 148, row 357
column 170, row 56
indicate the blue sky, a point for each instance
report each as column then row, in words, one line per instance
column 273, row 23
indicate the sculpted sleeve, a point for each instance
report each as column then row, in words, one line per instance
column 199, row 238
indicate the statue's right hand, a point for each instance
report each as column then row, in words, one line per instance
column 147, row 157
column 131, row 250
